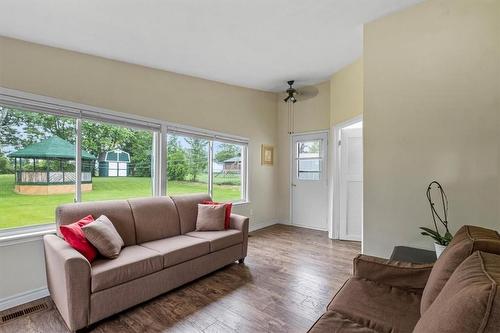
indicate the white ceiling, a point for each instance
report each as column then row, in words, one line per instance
column 251, row 43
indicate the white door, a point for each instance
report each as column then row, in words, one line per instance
column 112, row 169
column 351, row 183
column 309, row 181
column 122, row 169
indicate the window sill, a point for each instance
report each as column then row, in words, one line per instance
column 25, row 234
column 241, row 203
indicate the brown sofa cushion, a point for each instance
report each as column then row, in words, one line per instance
column 133, row 262
column 399, row 274
column 210, row 217
column 469, row 301
column 102, row 234
column 332, row 321
column 178, row 249
column 467, row 240
column 187, row 207
column 377, row 306
column 219, row 239
column 118, row 211
column 155, row 218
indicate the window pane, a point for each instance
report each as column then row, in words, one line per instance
column 309, row 169
column 308, row 149
column 37, row 166
column 227, row 172
column 116, row 162
column 187, row 165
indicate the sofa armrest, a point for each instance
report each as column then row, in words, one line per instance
column 394, row 273
column 240, row 222
column 68, row 279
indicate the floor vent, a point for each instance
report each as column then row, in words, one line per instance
column 24, row 312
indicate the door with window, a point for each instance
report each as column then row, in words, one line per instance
column 309, row 185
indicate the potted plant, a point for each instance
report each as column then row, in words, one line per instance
column 440, row 240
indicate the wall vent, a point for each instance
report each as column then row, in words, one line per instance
column 23, row 312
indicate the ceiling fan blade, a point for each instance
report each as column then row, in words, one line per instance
column 308, row 92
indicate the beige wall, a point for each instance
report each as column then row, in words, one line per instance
column 431, row 112
column 147, row 92
column 346, row 91
column 310, row 115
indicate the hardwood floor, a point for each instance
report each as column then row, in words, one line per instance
column 287, row 280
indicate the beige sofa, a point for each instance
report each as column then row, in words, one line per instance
column 162, row 251
column 460, row 293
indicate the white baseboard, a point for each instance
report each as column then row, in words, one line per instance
column 259, row 225
column 22, row 298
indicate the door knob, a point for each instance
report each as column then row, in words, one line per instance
column 294, row 185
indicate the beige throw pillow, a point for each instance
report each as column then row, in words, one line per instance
column 210, row 217
column 102, row 234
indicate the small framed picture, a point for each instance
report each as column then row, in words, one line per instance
column 267, row 155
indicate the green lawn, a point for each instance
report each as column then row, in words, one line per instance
column 18, row 210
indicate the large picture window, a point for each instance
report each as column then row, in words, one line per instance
column 187, row 164
column 228, row 170
column 41, row 166
column 37, row 166
column 123, row 165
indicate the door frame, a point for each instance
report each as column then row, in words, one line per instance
column 326, row 160
column 334, row 193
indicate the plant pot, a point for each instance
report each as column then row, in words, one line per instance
column 439, row 249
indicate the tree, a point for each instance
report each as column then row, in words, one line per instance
column 21, row 128
column 197, row 157
column 226, row 152
column 5, row 165
column 98, row 138
column 140, row 145
column 177, row 166
column 177, row 162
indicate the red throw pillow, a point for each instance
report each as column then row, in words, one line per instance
column 228, row 206
column 73, row 234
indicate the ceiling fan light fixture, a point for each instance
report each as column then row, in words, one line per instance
column 291, row 93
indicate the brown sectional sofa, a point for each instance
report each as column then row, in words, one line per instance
column 162, row 251
column 458, row 294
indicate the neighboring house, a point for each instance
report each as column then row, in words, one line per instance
column 114, row 163
column 232, row 165
column 218, row 167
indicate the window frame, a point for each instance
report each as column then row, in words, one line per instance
column 194, row 133
column 160, row 129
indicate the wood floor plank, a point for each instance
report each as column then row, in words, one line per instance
column 287, row 280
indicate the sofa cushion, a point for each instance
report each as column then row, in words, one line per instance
column 467, row 240
column 118, row 211
column 187, row 208
column 379, row 307
column 332, row 321
column 210, row 217
column 155, row 218
column 469, row 301
column 219, row 239
column 133, row 262
column 178, row 249
column 102, row 234
column 74, row 236
column 229, row 208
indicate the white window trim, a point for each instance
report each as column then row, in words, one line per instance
column 25, row 234
column 80, row 112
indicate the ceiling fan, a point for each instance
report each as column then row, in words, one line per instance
column 301, row 94
column 296, row 95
